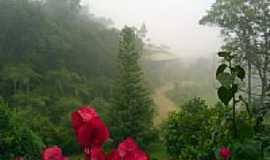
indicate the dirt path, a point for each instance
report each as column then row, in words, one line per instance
column 163, row 103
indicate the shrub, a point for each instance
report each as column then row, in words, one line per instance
column 15, row 138
column 188, row 133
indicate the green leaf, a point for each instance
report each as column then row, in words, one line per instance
column 225, row 95
column 223, row 54
column 221, row 69
column 240, row 72
column 226, row 79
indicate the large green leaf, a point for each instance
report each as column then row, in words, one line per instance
column 221, row 69
column 226, row 79
column 240, row 72
column 225, row 95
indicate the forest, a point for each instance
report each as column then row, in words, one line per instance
column 74, row 86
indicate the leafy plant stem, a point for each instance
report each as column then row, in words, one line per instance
column 233, row 106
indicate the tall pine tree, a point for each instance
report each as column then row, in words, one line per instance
column 132, row 110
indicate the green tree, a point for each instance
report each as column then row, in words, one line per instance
column 132, row 108
column 245, row 27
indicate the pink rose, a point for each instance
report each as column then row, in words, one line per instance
column 53, row 153
column 225, row 153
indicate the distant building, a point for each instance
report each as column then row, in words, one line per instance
column 160, row 63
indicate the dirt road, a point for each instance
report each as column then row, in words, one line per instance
column 163, row 103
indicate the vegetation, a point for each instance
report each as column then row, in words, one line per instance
column 17, row 139
column 199, row 131
column 55, row 56
column 245, row 28
column 52, row 57
column 188, row 132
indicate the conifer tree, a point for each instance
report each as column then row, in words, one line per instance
column 132, row 110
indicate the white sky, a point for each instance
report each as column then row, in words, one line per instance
column 170, row 22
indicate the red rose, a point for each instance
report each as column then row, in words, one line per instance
column 129, row 150
column 96, row 153
column 225, row 153
column 114, row 155
column 83, row 115
column 89, row 128
column 140, row 155
column 127, row 146
column 53, row 153
column 129, row 156
column 93, row 133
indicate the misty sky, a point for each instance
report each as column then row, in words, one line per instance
column 170, row 22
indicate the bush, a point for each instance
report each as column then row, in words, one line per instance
column 188, row 133
column 199, row 131
column 15, row 138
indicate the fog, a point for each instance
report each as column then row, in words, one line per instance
column 169, row 22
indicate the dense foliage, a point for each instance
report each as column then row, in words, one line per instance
column 54, row 56
column 91, row 133
column 16, row 138
column 188, row 132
